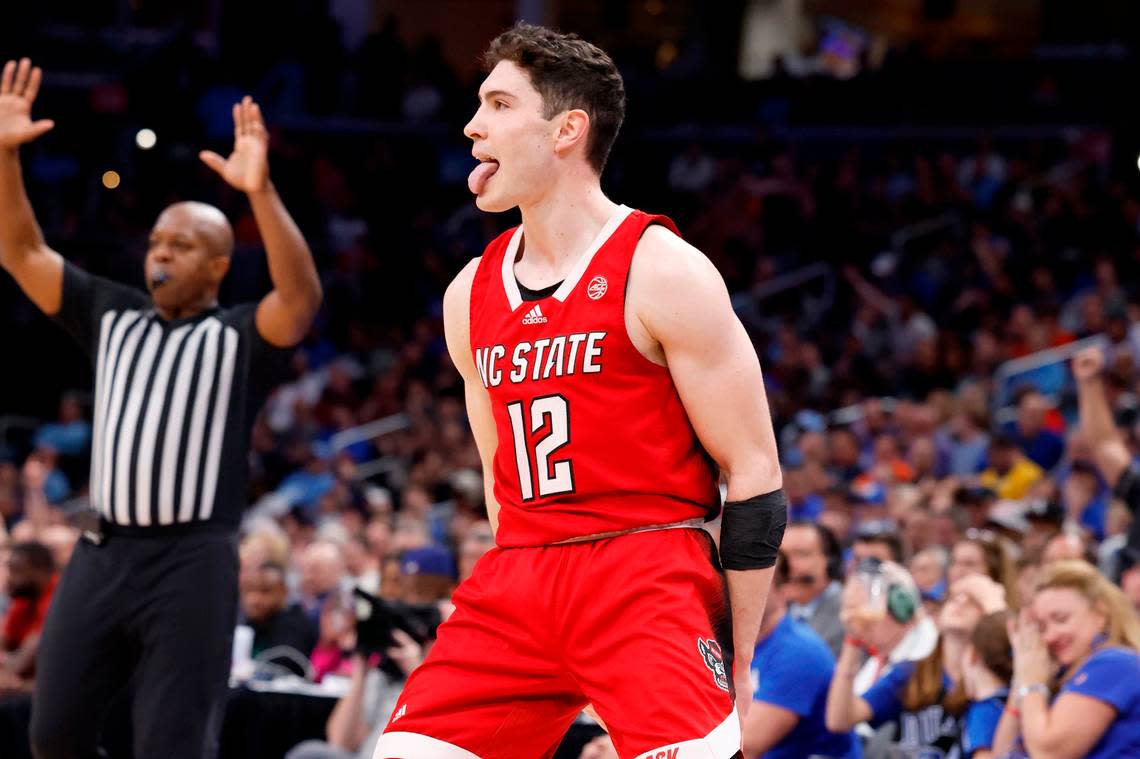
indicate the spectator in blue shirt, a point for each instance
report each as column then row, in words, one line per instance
column 987, row 668
column 963, row 442
column 1040, row 445
column 1081, row 624
column 71, row 435
column 1085, row 497
column 791, row 670
column 804, row 504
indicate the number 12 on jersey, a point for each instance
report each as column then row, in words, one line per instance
column 554, row 477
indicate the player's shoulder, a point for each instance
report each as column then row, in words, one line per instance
column 457, row 297
column 666, row 267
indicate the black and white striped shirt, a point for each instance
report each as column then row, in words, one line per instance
column 174, row 403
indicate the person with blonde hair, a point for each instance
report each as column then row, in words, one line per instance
column 264, row 543
column 1076, row 669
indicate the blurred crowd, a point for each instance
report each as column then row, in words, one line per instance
column 960, row 486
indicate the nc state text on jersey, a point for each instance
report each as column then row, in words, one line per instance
column 564, row 355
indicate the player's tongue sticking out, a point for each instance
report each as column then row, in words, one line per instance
column 480, row 174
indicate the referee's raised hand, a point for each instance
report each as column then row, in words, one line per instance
column 247, row 168
column 19, row 85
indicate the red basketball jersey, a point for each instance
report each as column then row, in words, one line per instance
column 592, row 436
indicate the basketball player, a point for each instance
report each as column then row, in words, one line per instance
column 602, row 361
column 150, row 593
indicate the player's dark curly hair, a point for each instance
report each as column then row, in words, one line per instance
column 569, row 73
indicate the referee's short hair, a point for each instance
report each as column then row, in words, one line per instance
column 36, row 554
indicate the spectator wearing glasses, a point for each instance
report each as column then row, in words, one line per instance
column 813, row 590
column 791, row 669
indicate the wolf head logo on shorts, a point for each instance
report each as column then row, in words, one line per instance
column 714, row 660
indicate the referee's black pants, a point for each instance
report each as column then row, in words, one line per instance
column 156, row 610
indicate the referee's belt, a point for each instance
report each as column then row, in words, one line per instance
column 96, row 528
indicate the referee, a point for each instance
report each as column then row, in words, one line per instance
column 151, row 593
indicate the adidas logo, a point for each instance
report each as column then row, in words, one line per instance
column 534, row 316
column 400, row 713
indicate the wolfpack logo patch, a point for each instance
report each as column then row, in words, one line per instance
column 714, row 660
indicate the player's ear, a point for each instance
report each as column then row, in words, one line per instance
column 573, row 128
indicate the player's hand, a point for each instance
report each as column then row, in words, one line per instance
column 19, row 86
column 247, row 168
column 1088, row 363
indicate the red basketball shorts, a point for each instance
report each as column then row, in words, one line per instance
column 637, row 625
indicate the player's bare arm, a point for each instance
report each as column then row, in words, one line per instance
column 24, row 254
column 679, row 315
column 457, row 330
column 285, row 314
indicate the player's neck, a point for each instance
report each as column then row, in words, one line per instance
column 559, row 227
